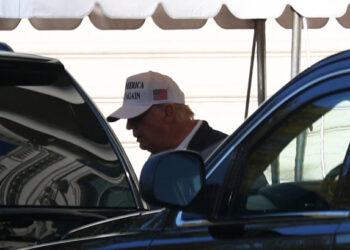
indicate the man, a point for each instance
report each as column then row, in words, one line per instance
column 159, row 118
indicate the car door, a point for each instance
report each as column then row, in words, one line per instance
column 60, row 164
column 297, row 205
column 279, row 182
column 288, row 181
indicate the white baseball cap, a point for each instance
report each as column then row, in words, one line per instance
column 144, row 90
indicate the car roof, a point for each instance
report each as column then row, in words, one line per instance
column 14, row 56
column 27, row 69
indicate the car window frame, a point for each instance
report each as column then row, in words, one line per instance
column 286, row 110
column 236, row 143
column 327, row 71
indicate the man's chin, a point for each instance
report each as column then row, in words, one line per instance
column 145, row 146
column 149, row 148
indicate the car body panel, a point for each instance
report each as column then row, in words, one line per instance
column 281, row 235
column 135, row 230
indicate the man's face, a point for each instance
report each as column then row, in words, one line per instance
column 148, row 128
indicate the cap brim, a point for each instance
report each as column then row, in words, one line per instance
column 127, row 112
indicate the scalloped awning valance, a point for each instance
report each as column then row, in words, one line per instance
column 168, row 14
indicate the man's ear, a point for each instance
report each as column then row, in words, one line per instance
column 170, row 112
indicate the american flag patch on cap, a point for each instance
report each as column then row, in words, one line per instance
column 160, row 94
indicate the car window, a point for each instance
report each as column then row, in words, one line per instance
column 54, row 152
column 296, row 167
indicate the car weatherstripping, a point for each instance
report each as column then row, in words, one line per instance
column 280, row 181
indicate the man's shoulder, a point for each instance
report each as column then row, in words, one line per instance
column 205, row 129
column 205, row 137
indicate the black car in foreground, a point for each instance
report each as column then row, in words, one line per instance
column 280, row 181
column 61, row 166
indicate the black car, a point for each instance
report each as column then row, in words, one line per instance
column 61, row 166
column 280, row 181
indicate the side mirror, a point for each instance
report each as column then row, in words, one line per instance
column 172, row 179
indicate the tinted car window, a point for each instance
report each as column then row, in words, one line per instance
column 297, row 166
column 54, row 152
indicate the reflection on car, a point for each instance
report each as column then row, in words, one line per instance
column 61, row 167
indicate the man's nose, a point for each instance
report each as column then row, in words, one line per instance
column 130, row 124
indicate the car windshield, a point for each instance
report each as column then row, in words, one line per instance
column 53, row 150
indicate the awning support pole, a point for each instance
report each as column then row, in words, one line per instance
column 296, row 42
column 261, row 60
column 295, row 64
column 252, row 58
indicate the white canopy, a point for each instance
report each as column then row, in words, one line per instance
column 182, row 14
column 168, row 14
